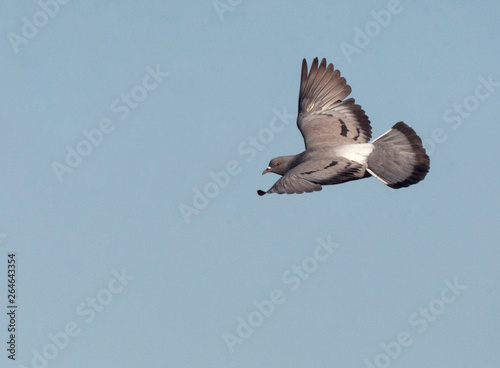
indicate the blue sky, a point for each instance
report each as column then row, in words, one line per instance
column 116, row 115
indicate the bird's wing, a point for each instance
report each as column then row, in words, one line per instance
column 310, row 175
column 325, row 118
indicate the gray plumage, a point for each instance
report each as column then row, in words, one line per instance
column 336, row 133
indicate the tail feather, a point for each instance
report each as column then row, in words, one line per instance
column 398, row 158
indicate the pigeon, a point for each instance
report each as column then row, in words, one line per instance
column 336, row 134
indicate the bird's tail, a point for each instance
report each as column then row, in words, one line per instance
column 398, row 158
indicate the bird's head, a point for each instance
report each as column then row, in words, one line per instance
column 279, row 165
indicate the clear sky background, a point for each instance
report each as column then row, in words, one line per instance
column 111, row 274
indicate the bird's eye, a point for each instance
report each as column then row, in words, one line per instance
column 278, row 163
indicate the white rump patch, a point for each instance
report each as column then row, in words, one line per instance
column 355, row 152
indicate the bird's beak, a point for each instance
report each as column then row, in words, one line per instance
column 266, row 170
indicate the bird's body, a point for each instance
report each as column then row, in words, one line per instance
column 336, row 132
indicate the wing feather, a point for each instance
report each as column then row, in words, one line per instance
column 325, row 117
column 309, row 176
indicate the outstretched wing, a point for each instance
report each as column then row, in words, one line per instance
column 325, row 118
column 310, row 175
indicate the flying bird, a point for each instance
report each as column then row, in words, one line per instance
column 336, row 133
